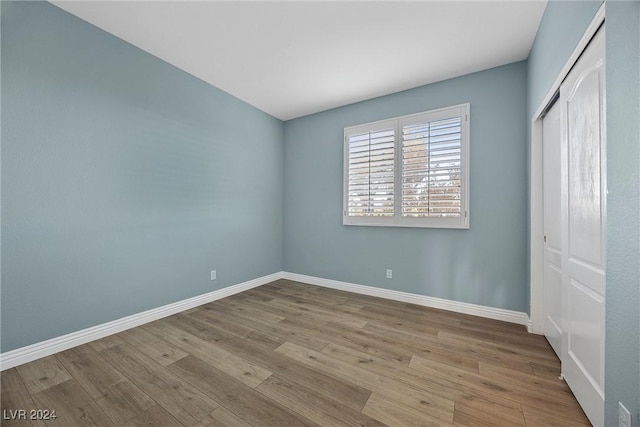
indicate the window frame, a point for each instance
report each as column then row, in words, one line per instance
column 397, row 220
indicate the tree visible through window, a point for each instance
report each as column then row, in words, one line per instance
column 409, row 171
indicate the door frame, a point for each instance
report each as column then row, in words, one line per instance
column 536, row 222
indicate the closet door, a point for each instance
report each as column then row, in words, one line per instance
column 582, row 97
column 551, row 177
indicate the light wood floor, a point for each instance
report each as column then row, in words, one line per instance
column 293, row 354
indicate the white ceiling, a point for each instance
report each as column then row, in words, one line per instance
column 291, row 59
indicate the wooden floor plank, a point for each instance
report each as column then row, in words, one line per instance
column 90, row 370
column 278, row 329
column 221, row 417
column 386, row 347
column 412, row 314
column 235, row 366
column 220, row 330
column 318, row 300
column 320, row 314
column 241, row 400
column 434, row 385
column 504, row 373
column 546, row 371
column 216, row 326
column 110, row 389
column 359, row 339
column 503, row 357
column 311, row 296
column 541, row 418
column 106, row 342
column 275, row 330
column 396, row 414
column 391, row 388
column 43, row 373
column 465, row 415
column 209, row 313
column 14, row 398
column 123, row 402
column 516, row 353
column 298, row 317
column 504, row 387
column 154, row 416
column 311, row 405
column 348, row 394
column 289, row 353
column 73, row 406
column 238, row 309
column 158, row 349
column 180, row 399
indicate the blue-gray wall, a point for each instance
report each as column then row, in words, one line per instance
column 124, row 180
column 483, row 265
column 561, row 28
column 622, row 359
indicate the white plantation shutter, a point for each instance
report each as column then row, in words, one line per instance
column 411, row 171
column 370, row 181
column 431, row 168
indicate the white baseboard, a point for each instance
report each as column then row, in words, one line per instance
column 518, row 317
column 35, row 351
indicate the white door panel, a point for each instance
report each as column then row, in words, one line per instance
column 552, row 227
column 593, row 277
column 587, row 330
column 583, row 190
column 584, row 139
column 553, row 306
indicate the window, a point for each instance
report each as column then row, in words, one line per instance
column 411, row 171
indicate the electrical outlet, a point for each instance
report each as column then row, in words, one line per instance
column 213, row 275
column 624, row 416
column 389, row 274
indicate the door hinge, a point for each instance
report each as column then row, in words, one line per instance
column 545, row 239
